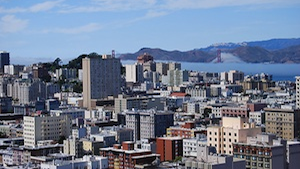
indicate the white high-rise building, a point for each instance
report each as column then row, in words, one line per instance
column 28, row 90
column 101, row 78
column 298, row 92
column 39, row 128
column 134, row 73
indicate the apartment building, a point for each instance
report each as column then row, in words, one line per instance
column 188, row 130
column 257, row 117
column 141, row 103
column 134, row 73
column 285, row 123
column 101, row 78
column 262, row 151
column 190, row 146
column 126, row 156
column 37, row 128
column 236, row 111
column 149, row 123
column 169, row 148
column 207, row 158
column 232, row 130
column 90, row 162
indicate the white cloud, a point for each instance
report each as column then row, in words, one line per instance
column 112, row 5
column 199, row 4
column 11, row 24
column 92, row 27
column 44, row 6
column 126, row 5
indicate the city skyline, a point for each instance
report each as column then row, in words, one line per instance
column 35, row 30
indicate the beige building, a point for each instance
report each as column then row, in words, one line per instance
column 101, row 78
column 73, row 147
column 38, row 128
column 233, row 130
column 285, row 123
column 234, row 76
column 298, row 92
column 91, row 146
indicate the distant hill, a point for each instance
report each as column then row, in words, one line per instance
column 271, row 45
column 271, row 51
column 159, row 54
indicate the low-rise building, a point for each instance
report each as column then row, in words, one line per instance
column 126, row 156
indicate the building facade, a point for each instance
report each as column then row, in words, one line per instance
column 101, row 78
column 169, row 148
column 285, row 123
column 37, row 128
column 232, row 130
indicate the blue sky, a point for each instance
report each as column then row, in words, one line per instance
column 34, row 31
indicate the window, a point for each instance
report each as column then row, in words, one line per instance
column 253, row 158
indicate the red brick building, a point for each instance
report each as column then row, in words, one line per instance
column 256, row 106
column 169, row 148
column 126, row 156
column 187, row 130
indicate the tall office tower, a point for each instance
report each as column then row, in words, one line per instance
column 297, row 92
column 134, row 73
column 174, row 66
column 4, row 59
column 162, row 68
column 39, row 128
column 234, row 75
column 101, row 78
column 176, row 77
column 233, row 130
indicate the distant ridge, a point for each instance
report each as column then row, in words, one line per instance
column 272, row 51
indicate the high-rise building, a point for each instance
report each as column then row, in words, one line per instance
column 285, row 123
column 233, row 130
column 234, row 76
column 101, row 78
column 4, row 59
column 38, row 128
column 162, row 68
column 174, row 66
column 149, row 123
column 28, row 90
column 298, row 92
column 175, row 77
column 134, row 73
